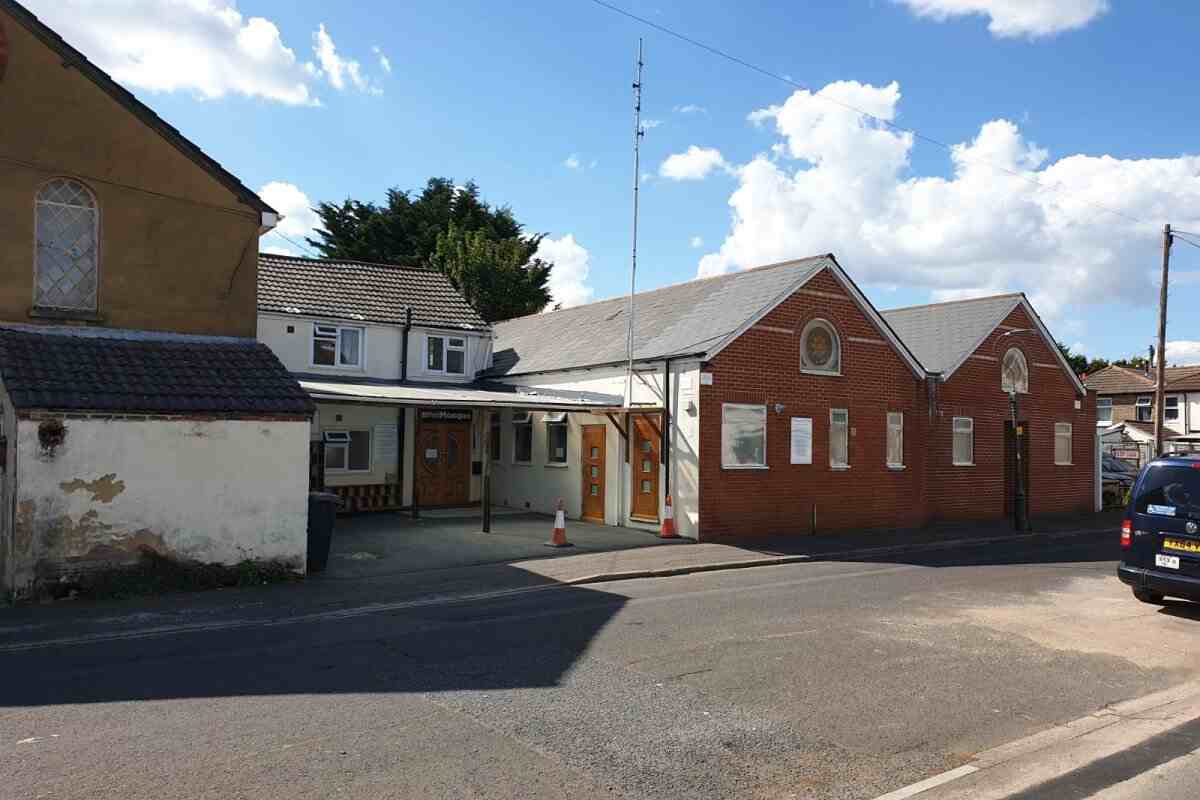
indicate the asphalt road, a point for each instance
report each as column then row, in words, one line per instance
column 823, row 680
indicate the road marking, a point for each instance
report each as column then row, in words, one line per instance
column 929, row 783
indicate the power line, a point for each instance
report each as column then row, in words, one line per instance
column 899, row 128
column 294, row 243
column 1175, row 235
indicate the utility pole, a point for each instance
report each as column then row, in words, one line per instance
column 638, row 133
column 1159, row 396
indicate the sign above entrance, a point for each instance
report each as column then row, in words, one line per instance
column 444, row 415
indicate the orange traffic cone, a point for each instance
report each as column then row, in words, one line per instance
column 559, row 537
column 668, row 522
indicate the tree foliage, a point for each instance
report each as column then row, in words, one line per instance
column 482, row 249
column 499, row 277
column 1081, row 364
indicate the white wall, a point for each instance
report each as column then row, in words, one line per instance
column 381, row 346
column 479, row 354
column 210, row 491
column 540, row 486
column 8, row 482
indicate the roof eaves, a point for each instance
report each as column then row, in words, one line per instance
column 74, row 58
column 1016, row 301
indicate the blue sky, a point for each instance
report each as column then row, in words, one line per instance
column 533, row 102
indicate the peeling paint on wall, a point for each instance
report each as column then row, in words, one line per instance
column 104, row 489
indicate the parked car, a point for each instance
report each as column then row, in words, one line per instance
column 1116, row 479
column 1160, row 535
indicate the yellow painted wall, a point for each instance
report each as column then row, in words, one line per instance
column 178, row 250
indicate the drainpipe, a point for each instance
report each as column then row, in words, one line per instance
column 404, row 345
column 665, row 445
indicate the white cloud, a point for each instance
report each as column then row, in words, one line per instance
column 843, row 182
column 696, row 242
column 1183, row 353
column 693, row 165
column 202, row 46
column 572, row 162
column 690, row 108
column 299, row 220
column 568, row 279
column 649, row 124
column 385, row 63
column 1008, row 18
column 336, row 68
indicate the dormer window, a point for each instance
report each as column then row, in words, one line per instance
column 820, row 349
column 1014, row 372
column 337, row 346
column 446, row 354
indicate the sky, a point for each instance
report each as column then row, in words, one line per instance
column 1033, row 145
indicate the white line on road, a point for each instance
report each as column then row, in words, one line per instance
column 929, row 783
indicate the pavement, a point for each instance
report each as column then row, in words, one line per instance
column 848, row 677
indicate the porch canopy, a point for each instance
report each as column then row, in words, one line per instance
column 480, row 394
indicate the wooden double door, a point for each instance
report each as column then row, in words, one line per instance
column 443, row 475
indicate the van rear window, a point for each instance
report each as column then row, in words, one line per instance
column 1170, row 491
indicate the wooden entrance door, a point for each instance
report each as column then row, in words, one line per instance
column 644, row 461
column 1010, row 464
column 592, row 461
column 444, row 463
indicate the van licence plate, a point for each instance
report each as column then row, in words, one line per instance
column 1186, row 545
column 1170, row 562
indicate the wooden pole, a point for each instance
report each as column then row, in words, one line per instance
column 1159, row 395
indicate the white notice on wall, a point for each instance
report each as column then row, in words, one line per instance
column 801, row 440
column 387, row 443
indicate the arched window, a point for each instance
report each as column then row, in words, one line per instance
column 66, row 263
column 820, row 348
column 1014, row 372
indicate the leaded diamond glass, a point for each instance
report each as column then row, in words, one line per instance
column 66, row 252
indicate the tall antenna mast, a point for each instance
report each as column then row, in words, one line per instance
column 638, row 133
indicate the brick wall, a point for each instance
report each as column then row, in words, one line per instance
column 763, row 367
column 974, row 391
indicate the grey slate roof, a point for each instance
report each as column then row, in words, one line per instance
column 74, row 58
column 72, row 369
column 684, row 319
column 356, row 290
column 942, row 335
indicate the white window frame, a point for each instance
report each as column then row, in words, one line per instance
column 336, row 337
column 1064, row 430
column 447, row 348
column 954, row 433
column 38, row 204
column 1138, row 404
column 522, row 418
column 809, row 369
column 556, row 419
column 341, row 438
column 1024, row 366
column 750, row 407
column 1167, row 409
column 895, row 422
column 845, row 432
column 1104, row 403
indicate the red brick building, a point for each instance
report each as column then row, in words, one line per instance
column 783, row 402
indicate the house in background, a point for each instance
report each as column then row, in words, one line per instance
column 137, row 409
column 1125, row 409
column 392, row 356
column 778, row 400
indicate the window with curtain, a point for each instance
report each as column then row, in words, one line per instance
column 743, row 436
column 964, row 442
column 839, row 438
column 1062, row 443
column 66, row 262
column 895, row 439
column 1104, row 409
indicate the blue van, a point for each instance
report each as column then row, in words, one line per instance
column 1160, row 536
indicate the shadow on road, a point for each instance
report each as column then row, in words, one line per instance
column 506, row 642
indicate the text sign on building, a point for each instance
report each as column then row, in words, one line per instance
column 801, row 440
column 387, row 443
column 445, row 415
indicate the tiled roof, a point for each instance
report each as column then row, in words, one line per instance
column 73, row 58
column 64, row 369
column 355, row 290
column 684, row 319
column 1123, row 380
column 942, row 335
